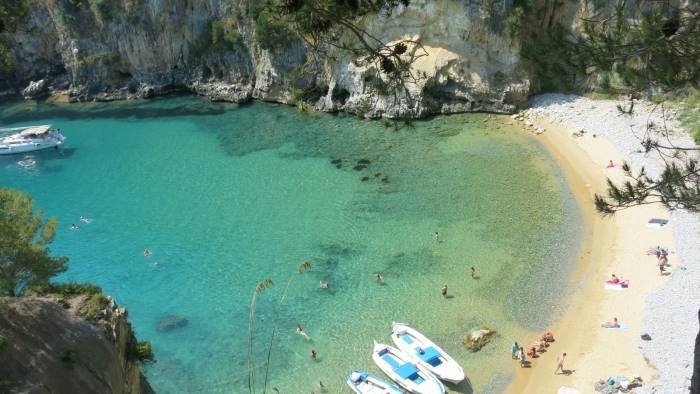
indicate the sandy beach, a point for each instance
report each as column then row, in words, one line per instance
column 611, row 245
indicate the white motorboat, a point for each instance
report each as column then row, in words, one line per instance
column 400, row 368
column 29, row 139
column 425, row 352
column 365, row 383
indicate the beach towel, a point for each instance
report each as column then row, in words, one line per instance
column 622, row 284
column 614, row 286
column 621, row 326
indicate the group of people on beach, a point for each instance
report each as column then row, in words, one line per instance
column 540, row 346
column 662, row 257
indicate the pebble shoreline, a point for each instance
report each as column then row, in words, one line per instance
column 671, row 311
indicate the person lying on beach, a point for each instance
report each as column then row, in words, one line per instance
column 547, row 337
column 612, row 324
column 301, row 332
column 532, row 352
column 614, row 280
column 610, row 164
column 541, row 346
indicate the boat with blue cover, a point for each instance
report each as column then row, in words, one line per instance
column 401, row 369
column 426, row 353
column 365, row 383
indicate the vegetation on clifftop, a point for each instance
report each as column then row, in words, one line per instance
column 24, row 240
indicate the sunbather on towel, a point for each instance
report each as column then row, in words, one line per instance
column 612, row 324
column 614, row 280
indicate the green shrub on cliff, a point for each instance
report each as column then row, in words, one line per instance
column 68, row 289
column 24, row 241
column 225, row 33
column 3, row 341
column 7, row 64
column 92, row 307
column 270, row 31
column 12, row 14
column 140, row 351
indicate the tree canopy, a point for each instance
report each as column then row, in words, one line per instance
column 24, row 239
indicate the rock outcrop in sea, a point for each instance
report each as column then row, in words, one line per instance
column 67, row 345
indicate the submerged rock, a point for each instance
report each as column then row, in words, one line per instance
column 359, row 167
column 171, row 322
column 478, row 339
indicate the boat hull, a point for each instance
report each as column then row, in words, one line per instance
column 365, row 383
column 25, row 148
column 412, row 377
column 446, row 368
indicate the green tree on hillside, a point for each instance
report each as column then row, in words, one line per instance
column 24, row 240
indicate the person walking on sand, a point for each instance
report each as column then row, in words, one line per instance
column 301, row 332
column 514, row 350
column 560, row 364
column 521, row 357
column 443, row 290
column 473, row 272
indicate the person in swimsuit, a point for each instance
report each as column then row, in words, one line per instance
column 443, row 290
column 301, row 332
column 560, row 364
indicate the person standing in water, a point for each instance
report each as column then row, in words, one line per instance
column 473, row 272
column 378, row 277
column 437, row 236
column 521, row 357
column 514, row 350
column 443, row 290
column 560, row 364
column 313, row 354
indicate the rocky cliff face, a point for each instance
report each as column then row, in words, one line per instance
column 48, row 347
column 122, row 49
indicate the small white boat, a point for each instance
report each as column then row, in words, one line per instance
column 401, row 369
column 365, row 383
column 29, row 139
column 423, row 351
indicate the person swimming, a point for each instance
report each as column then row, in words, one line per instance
column 379, row 277
column 85, row 220
column 324, row 285
column 74, row 227
column 147, row 252
column 301, row 332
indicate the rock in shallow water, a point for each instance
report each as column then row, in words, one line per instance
column 171, row 322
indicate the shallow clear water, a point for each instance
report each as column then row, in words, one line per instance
column 226, row 196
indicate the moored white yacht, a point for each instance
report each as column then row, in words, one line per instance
column 29, row 139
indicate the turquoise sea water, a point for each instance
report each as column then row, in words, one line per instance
column 226, row 196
